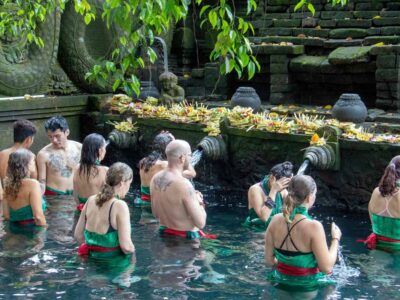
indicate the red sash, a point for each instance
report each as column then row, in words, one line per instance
column 50, row 193
column 84, row 249
column 80, row 206
column 145, row 197
column 295, row 271
column 25, row 222
column 373, row 238
column 184, row 233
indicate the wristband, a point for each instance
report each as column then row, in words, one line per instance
column 335, row 238
column 269, row 203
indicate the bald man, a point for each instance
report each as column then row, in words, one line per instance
column 175, row 203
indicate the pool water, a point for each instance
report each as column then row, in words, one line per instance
column 44, row 265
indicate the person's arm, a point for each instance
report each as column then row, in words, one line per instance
column 193, row 206
column 1, row 191
column 75, row 185
column 35, row 199
column 80, row 226
column 6, row 212
column 33, row 173
column 189, row 173
column 269, row 255
column 326, row 258
column 154, row 206
column 41, row 167
column 124, row 227
column 256, row 201
column 371, row 204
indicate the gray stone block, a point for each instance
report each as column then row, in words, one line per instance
column 279, row 68
column 276, row 9
column 287, row 23
column 336, row 15
column 279, row 59
column 374, row 31
column 390, row 14
column 391, row 30
column 348, row 32
column 386, row 21
column 311, row 32
column 369, row 6
column 354, row 23
column 303, row 15
column 387, row 75
column 281, row 98
column 277, row 16
column 276, row 31
column 365, row 14
column 334, row 43
column 283, row 88
column 279, row 79
column 372, row 40
column 386, row 61
column 309, row 22
column 327, row 23
column 393, row 6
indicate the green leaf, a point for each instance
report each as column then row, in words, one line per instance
column 299, row 5
column 311, row 8
column 87, row 19
column 213, row 18
column 251, row 70
column 203, row 10
column 116, row 84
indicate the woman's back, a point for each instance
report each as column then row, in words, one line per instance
column 103, row 219
column 85, row 186
column 146, row 176
column 388, row 206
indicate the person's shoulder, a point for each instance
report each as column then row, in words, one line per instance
column 121, row 204
column 74, row 144
column 45, row 150
column 31, row 182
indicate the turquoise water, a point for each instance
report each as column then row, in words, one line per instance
column 44, row 265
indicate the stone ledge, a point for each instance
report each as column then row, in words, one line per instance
column 277, row 49
column 349, row 55
column 387, row 49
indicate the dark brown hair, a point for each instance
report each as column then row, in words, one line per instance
column 117, row 173
column 284, row 169
column 387, row 184
column 18, row 169
column 22, row 130
column 160, row 143
column 299, row 188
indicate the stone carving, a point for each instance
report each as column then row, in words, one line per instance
column 171, row 92
column 246, row 97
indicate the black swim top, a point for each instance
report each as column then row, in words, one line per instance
column 110, row 228
column 287, row 251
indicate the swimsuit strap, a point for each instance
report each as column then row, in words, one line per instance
column 110, row 228
column 289, row 236
column 387, row 201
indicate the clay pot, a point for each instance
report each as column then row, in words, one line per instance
column 148, row 89
column 350, row 108
column 246, row 97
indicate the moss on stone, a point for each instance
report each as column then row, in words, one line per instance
column 349, row 55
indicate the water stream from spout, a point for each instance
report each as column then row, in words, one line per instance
column 343, row 272
column 303, row 167
column 196, row 156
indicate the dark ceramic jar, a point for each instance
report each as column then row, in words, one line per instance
column 246, row 97
column 148, row 89
column 350, row 108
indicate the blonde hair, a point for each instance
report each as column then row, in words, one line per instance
column 117, row 173
column 300, row 187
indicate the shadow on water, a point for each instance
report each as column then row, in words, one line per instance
column 44, row 264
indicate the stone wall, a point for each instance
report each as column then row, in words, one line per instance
column 38, row 111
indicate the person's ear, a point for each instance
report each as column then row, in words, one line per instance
column 67, row 132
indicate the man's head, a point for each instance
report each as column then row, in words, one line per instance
column 57, row 130
column 179, row 153
column 24, row 132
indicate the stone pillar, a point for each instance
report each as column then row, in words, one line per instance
column 282, row 88
column 387, row 76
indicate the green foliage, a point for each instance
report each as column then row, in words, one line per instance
column 310, row 7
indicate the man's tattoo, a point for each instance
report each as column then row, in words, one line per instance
column 57, row 163
column 162, row 182
column 73, row 158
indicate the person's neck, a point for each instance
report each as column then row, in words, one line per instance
column 17, row 146
column 175, row 168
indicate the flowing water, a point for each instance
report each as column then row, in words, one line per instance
column 43, row 264
column 196, row 157
column 303, row 167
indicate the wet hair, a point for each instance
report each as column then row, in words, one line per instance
column 387, row 184
column 284, row 169
column 117, row 173
column 160, row 143
column 299, row 188
column 57, row 122
column 22, row 130
column 18, row 169
column 90, row 153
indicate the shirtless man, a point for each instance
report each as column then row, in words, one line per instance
column 57, row 160
column 24, row 132
column 175, row 203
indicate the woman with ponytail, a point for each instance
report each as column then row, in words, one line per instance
column 384, row 210
column 89, row 175
column 266, row 197
column 104, row 227
column 23, row 203
column 155, row 162
column 295, row 244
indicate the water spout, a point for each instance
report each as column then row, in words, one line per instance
column 165, row 51
column 123, row 140
column 303, row 167
column 213, row 147
column 321, row 157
